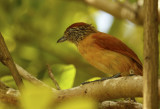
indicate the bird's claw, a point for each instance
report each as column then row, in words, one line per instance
column 102, row 79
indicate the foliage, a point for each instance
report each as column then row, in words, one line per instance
column 31, row 29
column 34, row 97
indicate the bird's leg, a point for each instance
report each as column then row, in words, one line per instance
column 131, row 73
column 130, row 99
column 115, row 76
column 102, row 79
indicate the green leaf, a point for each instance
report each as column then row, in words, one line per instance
column 64, row 75
column 34, row 97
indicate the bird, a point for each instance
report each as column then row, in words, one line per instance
column 103, row 51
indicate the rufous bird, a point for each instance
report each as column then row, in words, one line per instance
column 103, row 51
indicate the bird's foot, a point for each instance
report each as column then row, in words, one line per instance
column 102, row 79
column 130, row 99
column 131, row 75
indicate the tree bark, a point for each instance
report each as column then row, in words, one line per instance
column 124, row 10
column 6, row 59
column 133, row 12
column 150, row 55
column 120, row 105
column 122, row 87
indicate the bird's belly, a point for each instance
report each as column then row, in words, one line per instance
column 107, row 61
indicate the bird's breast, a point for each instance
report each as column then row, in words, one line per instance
column 105, row 60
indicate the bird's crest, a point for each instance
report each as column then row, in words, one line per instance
column 77, row 25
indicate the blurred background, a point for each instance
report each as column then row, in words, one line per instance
column 32, row 27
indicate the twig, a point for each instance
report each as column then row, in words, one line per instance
column 52, row 77
column 8, row 61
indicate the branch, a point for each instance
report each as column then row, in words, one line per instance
column 120, row 105
column 122, row 87
column 52, row 77
column 10, row 96
column 123, row 10
column 151, row 55
column 6, row 59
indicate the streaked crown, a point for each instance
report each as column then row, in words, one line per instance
column 77, row 32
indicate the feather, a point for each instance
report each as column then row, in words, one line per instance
column 108, row 42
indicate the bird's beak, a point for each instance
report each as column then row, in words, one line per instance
column 62, row 39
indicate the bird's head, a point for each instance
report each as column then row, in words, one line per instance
column 77, row 32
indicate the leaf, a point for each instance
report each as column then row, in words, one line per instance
column 34, row 97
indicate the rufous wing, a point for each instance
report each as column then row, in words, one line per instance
column 106, row 41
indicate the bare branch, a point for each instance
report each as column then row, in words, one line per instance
column 133, row 12
column 125, row 10
column 120, row 105
column 122, row 87
column 10, row 96
column 6, row 59
column 52, row 77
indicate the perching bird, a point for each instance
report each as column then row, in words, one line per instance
column 103, row 51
